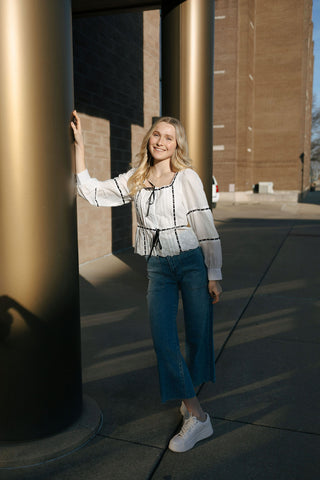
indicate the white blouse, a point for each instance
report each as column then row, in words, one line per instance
column 170, row 219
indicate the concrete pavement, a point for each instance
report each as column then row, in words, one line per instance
column 265, row 403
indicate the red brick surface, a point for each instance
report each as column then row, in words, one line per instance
column 264, row 97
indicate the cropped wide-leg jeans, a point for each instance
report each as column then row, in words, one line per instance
column 167, row 275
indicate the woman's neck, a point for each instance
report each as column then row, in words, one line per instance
column 161, row 168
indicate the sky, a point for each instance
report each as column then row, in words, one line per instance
column 316, row 39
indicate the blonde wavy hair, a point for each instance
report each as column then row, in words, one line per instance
column 143, row 161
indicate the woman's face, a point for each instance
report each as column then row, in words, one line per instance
column 163, row 142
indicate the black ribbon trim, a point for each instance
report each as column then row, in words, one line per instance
column 155, row 242
column 151, row 198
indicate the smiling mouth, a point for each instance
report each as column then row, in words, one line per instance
column 159, row 149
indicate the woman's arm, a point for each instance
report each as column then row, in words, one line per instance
column 78, row 142
column 201, row 220
column 109, row 193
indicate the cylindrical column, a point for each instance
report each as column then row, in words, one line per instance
column 40, row 366
column 187, row 77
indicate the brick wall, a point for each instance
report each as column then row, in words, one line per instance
column 225, row 92
column 151, row 76
column 116, row 77
column 280, row 92
column 94, row 224
column 263, row 92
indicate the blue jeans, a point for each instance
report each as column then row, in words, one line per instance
column 187, row 272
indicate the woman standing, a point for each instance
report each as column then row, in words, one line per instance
column 176, row 234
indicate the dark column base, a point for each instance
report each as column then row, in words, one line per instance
column 17, row 455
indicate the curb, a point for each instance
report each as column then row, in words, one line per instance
column 26, row 454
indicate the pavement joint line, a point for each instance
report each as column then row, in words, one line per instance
column 254, row 292
column 155, row 468
column 304, row 235
column 129, row 441
column 293, row 340
column 157, row 464
column 303, row 297
column 285, row 429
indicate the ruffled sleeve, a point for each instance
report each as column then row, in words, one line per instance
column 200, row 219
column 109, row 193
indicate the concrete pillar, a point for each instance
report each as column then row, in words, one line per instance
column 40, row 367
column 187, row 77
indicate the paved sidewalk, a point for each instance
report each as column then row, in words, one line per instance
column 267, row 337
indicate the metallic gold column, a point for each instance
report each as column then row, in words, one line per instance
column 187, row 77
column 40, row 368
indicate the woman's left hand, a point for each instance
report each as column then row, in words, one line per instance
column 215, row 290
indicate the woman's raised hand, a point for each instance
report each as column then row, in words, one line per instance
column 78, row 141
column 76, row 127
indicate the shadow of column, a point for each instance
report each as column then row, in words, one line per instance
column 108, row 77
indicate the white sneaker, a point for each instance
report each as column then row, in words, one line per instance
column 192, row 431
column 184, row 412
